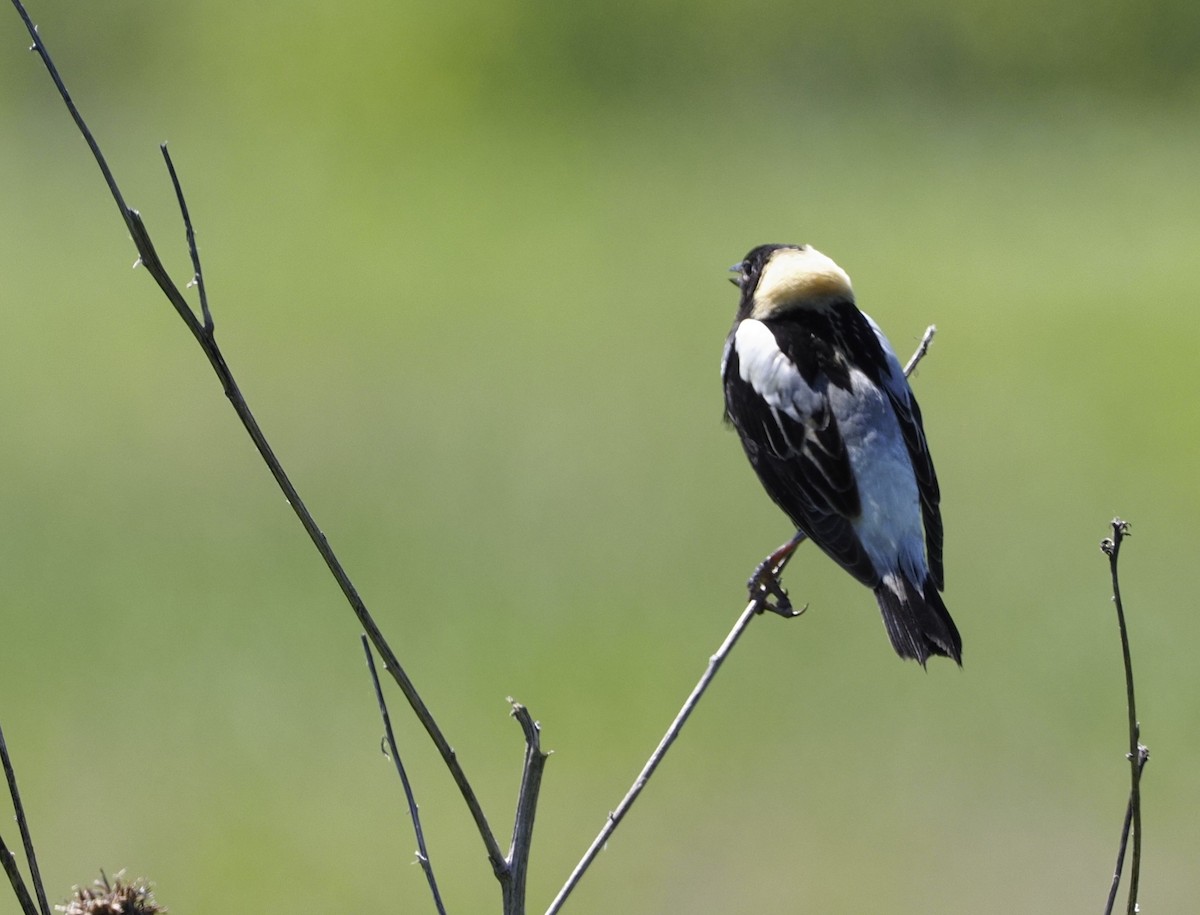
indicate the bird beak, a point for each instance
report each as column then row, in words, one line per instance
column 736, row 280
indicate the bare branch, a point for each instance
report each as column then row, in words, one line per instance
column 193, row 251
column 75, row 115
column 527, row 801
column 203, row 332
column 394, row 752
column 922, row 349
column 9, row 862
column 613, row 820
column 1138, row 754
column 10, row 867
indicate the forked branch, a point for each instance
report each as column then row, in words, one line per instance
column 513, row 885
column 202, row 328
column 393, row 751
column 1138, row 754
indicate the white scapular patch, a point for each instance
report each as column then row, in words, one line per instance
column 796, row 278
column 891, row 526
column 773, row 375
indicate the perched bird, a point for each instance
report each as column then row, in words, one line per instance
column 834, row 432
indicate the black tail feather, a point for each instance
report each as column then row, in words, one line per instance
column 917, row 621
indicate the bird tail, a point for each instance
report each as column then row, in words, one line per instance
column 917, row 621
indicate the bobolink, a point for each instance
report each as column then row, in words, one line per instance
column 834, row 432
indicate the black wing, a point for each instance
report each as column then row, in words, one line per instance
column 904, row 404
column 794, row 444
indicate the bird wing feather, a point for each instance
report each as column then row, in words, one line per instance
column 908, row 413
column 792, row 438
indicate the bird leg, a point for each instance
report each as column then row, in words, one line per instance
column 764, row 583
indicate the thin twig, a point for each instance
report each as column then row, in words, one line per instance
column 527, row 801
column 922, row 349
column 193, row 251
column 75, row 115
column 9, row 862
column 394, row 752
column 1138, row 754
column 753, row 609
column 23, row 827
column 202, row 332
column 1115, row 886
column 759, row 603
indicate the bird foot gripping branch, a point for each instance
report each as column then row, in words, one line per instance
column 764, row 583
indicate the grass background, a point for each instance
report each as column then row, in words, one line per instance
column 468, row 262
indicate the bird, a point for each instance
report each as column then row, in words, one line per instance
column 829, row 423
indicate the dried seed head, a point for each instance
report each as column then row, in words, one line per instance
column 120, row 897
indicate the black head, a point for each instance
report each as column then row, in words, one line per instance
column 747, row 272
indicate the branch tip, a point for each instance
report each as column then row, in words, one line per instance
column 1138, row 754
column 392, row 752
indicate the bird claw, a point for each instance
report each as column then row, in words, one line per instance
column 764, row 584
column 782, row 607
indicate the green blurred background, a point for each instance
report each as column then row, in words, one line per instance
column 468, row 261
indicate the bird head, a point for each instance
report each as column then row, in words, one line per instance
column 778, row 278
